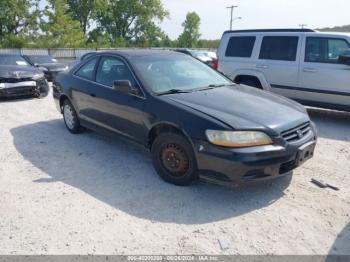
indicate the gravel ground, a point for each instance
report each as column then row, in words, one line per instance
column 90, row 194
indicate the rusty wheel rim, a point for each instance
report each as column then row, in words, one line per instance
column 174, row 159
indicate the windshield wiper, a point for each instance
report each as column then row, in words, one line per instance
column 212, row 86
column 174, row 91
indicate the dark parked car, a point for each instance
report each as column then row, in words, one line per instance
column 18, row 78
column 196, row 122
column 47, row 64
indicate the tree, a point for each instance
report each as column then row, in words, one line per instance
column 130, row 19
column 60, row 30
column 83, row 11
column 344, row 28
column 190, row 36
column 18, row 19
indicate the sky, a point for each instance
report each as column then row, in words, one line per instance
column 256, row 14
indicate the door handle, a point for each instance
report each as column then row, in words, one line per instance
column 262, row 66
column 310, row 70
column 93, row 95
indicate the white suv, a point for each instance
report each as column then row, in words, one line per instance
column 308, row 66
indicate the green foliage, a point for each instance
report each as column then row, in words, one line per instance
column 93, row 24
column 60, row 30
column 18, row 19
column 83, row 11
column 345, row 28
column 190, row 36
column 203, row 43
column 130, row 19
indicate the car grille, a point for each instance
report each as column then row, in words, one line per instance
column 14, row 80
column 296, row 133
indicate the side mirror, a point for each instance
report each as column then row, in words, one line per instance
column 124, row 86
column 344, row 60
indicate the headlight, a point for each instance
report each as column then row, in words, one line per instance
column 238, row 138
column 38, row 76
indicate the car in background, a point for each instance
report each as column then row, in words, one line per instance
column 47, row 64
column 310, row 67
column 80, row 59
column 195, row 121
column 19, row 78
column 204, row 56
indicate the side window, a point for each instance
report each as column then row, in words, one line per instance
column 325, row 50
column 87, row 71
column 111, row 69
column 240, row 46
column 282, row 48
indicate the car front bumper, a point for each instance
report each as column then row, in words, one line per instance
column 24, row 88
column 246, row 165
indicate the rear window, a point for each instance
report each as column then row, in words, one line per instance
column 240, row 46
column 283, row 48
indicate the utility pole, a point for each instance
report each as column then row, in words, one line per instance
column 231, row 19
column 302, row 26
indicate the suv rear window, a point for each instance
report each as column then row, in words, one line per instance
column 283, row 48
column 240, row 46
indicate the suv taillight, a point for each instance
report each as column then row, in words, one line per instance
column 215, row 64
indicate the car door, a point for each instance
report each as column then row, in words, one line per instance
column 323, row 80
column 83, row 89
column 117, row 111
column 278, row 62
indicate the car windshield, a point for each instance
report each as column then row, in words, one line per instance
column 176, row 72
column 42, row 59
column 12, row 60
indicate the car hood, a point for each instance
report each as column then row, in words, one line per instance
column 53, row 66
column 244, row 108
column 18, row 71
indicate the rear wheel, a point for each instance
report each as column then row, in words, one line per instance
column 174, row 160
column 70, row 117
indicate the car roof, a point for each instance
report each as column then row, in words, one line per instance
column 129, row 53
column 286, row 31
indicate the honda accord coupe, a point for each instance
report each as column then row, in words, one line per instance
column 196, row 122
column 19, row 78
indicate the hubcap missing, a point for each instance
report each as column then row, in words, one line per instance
column 174, row 158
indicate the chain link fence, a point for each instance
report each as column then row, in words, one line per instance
column 64, row 55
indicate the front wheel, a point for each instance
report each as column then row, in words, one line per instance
column 70, row 117
column 174, row 160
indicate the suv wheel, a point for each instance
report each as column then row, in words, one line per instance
column 174, row 160
column 70, row 117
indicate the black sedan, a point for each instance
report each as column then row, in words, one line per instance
column 196, row 122
column 46, row 64
column 18, row 78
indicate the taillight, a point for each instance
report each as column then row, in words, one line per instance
column 215, row 64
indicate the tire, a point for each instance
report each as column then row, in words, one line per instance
column 70, row 117
column 251, row 82
column 174, row 160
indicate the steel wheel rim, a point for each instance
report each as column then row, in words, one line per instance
column 69, row 116
column 174, row 159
